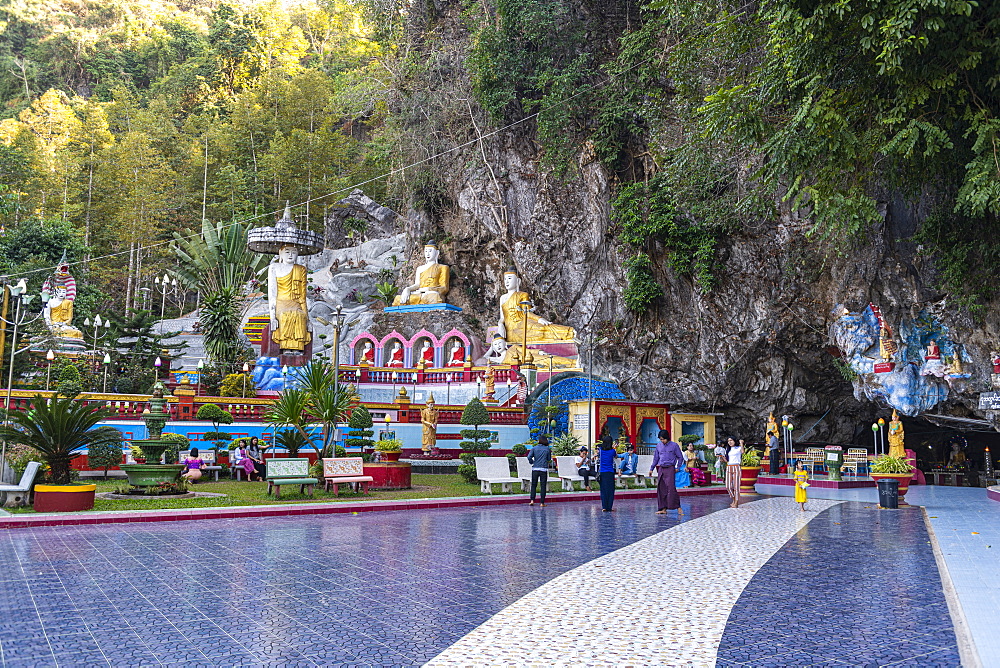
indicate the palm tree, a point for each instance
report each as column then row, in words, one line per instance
column 315, row 404
column 58, row 429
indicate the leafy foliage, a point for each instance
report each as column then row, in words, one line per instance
column 566, row 445
column 105, row 450
column 58, row 429
column 238, row 385
column 291, row 440
column 70, row 382
column 642, row 289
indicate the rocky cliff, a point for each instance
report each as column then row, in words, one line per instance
column 759, row 341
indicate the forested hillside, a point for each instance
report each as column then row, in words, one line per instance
column 127, row 121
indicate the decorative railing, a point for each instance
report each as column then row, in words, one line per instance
column 131, row 407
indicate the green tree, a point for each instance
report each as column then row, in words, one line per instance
column 106, row 451
column 475, row 414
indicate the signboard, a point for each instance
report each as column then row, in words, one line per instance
column 581, row 421
column 989, row 401
column 884, row 367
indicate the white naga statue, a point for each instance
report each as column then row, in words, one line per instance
column 430, row 282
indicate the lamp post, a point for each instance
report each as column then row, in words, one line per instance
column 284, row 377
column 881, row 433
column 201, row 368
column 338, row 324
column 157, row 364
column 525, row 306
column 163, row 286
column 50, row 356
column 447, row 378
column 875, row 431
column 107, row 361
column 246, row 371
column 97, row 324
column 18, row 293
column 395, row 375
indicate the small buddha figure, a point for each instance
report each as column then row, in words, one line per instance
column 396, row 356
column 886, row 344
column 58, row 295
column 367, row 354
column 490, row 379
column 932, row 361
column 896, row 435
column 955, row 365
column 430, row 282
column 457, row 357
column 286, row 298
column 427, row 354
column 429, row 422
column 518, row 323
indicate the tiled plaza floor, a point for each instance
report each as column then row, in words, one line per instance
column 843, row 584
column 389, row 588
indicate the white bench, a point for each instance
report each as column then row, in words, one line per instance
column 524, row 473
column 567, row 472
column 345, row 470
column 494, row 470
column 23, row 488
column 207, row 456
column 642, row 470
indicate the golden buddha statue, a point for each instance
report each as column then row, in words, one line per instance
column 286, row 296
column 430, row 282
column 429, row 422
column 502, row 353
column 896, row 435
column 518, row 323
column 58, row 295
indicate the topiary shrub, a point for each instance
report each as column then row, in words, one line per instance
column 475, row 414
column 70, row 382
column 217, row 417
column 467, row 469
column 361, row 432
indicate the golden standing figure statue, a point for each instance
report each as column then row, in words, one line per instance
column 286, row 291
column 771, row 428
column 896, row 434
column 429, row 421
column 490, row 378
column 430, row 282
column 519, row 326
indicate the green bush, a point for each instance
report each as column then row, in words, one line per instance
column 887, row 464
column 521, row 449
column 475, row 414
column 237, row 385
column 566, row 445
column 360, row 424
column 642, row 289
column 70, row 382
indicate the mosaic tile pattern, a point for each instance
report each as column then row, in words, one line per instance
column 661, row 617
column 374, row 589
column 878, row 602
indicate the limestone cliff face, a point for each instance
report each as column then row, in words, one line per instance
column 758, row 342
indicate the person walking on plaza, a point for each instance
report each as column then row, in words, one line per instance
column 734, row 471
column 801, row 482
column 669, row 458
column 606, row 473
column 540, row 458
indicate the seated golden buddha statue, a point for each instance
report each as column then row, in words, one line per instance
column 515, row 310
column 58, row 314
column 430, row 283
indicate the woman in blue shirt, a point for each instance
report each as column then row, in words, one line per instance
column 606, row 473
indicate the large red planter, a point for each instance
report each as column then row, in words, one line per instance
column 388, row 475
column 904, row 482
column 63, row 498
column 748, row 479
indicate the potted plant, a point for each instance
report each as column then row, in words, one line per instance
column 389, row 449
column 749, row 471
column 895, row 468
column 59, row 429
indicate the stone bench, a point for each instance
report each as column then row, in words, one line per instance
column 566, row 470
column 294, row 471
column 22, row 489
column 524, row 473
column 345, row 470
column 207, row 456
column 494, row 471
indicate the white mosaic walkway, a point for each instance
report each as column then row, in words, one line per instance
column 634, row 606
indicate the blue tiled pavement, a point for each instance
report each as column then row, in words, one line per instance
column 857, row 587
column 386, row 588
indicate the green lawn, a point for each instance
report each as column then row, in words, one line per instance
column 425, row 486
